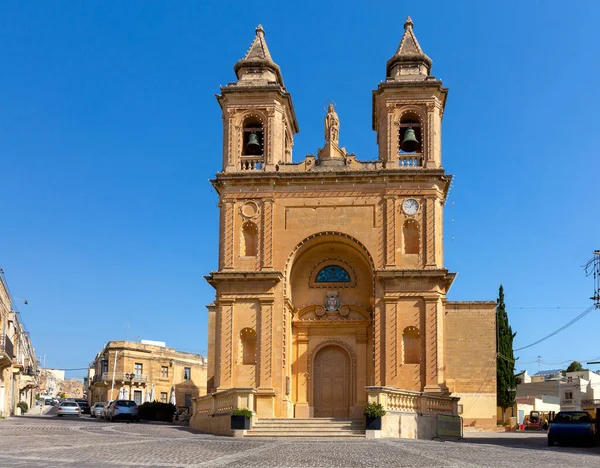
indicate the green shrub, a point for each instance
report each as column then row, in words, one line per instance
column 156, row 411
column 374, row 410
column 242, row 412
column 24, row 407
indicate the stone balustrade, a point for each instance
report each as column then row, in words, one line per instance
column 224, row 402
column 409, row 161
column 406, row 401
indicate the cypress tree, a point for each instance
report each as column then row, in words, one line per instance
column 505, row 367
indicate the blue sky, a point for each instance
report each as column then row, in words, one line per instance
column 109, row 132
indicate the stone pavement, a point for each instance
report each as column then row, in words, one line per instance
column 49, row 441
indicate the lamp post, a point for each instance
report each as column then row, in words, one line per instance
column 130, row 377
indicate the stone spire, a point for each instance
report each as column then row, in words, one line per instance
column 409, row 62
column 257, row 67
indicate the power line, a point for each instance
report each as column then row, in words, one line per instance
column 579, row 317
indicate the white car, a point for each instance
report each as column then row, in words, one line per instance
column 104, row 411
column 68, row 408
column 96, row 410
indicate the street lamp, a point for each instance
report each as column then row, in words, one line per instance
column 130, row 377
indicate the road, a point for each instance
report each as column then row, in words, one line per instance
column 49, row 441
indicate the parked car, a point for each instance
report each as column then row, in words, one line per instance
column 123, row 409
column 68, row 408
column 96, row 410
column 573, row 427
column 104, row 412
column 83, row 404
column 48, row 401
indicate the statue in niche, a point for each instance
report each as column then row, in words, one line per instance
column 332, row 126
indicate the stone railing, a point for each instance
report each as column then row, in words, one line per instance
column 224, row 402
column 409, row 161
column 251, row 163
column 124, row 377
column 406, row 401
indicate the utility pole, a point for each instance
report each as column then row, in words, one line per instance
column 592, row 268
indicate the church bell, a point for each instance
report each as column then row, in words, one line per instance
column 410, row 142
column 253, row 145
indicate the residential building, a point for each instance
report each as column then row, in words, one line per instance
column 580, row 391
column 51, row 381
column 331, row 285
column 19, row 374
column 142, row 369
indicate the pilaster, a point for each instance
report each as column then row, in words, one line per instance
column 390, row 233
column 228, row 234
column 224, row 365
column 267, row 234
column 434, row 342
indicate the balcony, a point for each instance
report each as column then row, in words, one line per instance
column 124, row 377
column 567, row 402
column 7, row 351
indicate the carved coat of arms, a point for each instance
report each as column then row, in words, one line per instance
column 332, row 303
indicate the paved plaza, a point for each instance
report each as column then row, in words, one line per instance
column 49, row 441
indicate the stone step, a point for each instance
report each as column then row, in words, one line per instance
column 352, row 434
column 307, row 427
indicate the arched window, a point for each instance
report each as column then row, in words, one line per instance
column 410, row 232
column 253, row 138
column 332, row 274
column 410, row 138
column 248, row 346
column 411, row 345
column 249, row 239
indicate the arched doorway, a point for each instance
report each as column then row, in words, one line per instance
column 332, row 380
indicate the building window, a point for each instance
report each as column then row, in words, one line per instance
column 164, row 372
column 410, row 232
column 137, row 368
column 103, row 366
column 332, row 274
column 187, row 373
column 253, row 138
column 249, row 240
column 568, row 395
column 163, row 397
column 188, row 400
column 248, row 346
column 411, row 345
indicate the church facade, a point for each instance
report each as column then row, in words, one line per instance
column 331, row 285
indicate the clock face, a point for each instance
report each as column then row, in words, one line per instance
column 410, row 206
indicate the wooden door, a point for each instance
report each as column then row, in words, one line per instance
column 332, row 380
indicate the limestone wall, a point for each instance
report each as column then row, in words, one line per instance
column 471, row 359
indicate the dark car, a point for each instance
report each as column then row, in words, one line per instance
column 572, row 427
column 84, row 405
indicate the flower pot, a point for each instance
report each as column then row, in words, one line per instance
column 373, row 424
column 240, row 422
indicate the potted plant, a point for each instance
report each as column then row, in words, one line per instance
column 240, row 419
column 374, row 412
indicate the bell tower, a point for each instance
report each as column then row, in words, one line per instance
column 259, row 122
column 408, row 108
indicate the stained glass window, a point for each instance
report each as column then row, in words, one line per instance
column 333, row 274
